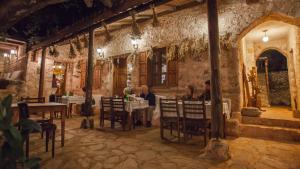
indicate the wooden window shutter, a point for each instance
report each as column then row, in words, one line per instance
column 143, row 68
column 97, row 76
column 172, row 77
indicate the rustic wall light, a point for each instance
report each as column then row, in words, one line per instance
column 135, row 43
column 100, row 52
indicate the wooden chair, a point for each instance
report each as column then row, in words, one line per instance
column 49, row 128
column 169, row 117
column 105, row 110
column 194, row 119
column 119, row 114
column 33, row 99
column 37, row 100
column 54, row 98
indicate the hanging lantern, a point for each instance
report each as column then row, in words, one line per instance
column 72, row 53
column 155, row 22
column 108, row 37
column 78, row 45
column 136, row 32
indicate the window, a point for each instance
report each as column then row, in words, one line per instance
column 158, row 72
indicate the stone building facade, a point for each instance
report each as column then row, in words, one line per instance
column 235, row 18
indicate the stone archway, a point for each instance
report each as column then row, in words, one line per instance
column 292, row 53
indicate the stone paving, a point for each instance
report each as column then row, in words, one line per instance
column 143, row 149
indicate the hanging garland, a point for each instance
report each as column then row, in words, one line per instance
column 108, row 36
column 171, row 53
column 72, row 53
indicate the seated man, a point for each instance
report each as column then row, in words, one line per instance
column 147, row 95
column 206, row 94
column 189, row 93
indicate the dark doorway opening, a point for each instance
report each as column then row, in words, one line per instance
column 273, row 79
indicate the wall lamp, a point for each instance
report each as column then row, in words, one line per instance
column 100, row 52
column 135, row 43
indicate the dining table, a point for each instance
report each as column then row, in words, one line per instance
column 49, row 107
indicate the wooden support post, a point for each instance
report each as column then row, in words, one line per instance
column 42, row 73
column 214, row 51
column 89, row 77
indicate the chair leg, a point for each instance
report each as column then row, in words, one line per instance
column 47, row 140
column 205, row 135
column 53, row 143
column 161, row 130
column 27, row 147
column 178, row 132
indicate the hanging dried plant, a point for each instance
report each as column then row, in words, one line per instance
column 72, row 53
column 78, row 65
column 53, row 51
column 108, row 37
column 136, row 32
column 171, row 53
column 155, row 22
column 85, row 41
column 150, row 53
column 78, row 45
column 184, row 50
column 225, row 41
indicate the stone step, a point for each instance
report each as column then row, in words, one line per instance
column 271, row 122
column 271, row 133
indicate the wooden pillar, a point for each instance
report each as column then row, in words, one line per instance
column 42, row 73
column 89, row 77
column 214, row 53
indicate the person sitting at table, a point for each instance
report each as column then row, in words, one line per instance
column 147, row 95
column 189, row 93
column 206, row 94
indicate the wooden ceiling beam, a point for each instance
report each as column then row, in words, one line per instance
column 93, row 22
column 12, row 11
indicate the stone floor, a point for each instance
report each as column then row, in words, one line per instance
column 143, row 149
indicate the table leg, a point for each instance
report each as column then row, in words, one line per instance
column 63, row 116
column 51, row 116
column 145, row 115
column 129, row 120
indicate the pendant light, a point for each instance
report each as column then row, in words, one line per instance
column 265, row 37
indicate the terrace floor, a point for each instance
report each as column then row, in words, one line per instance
column 143, row 149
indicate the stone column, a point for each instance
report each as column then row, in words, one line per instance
column 89, row 77
column 216, row 150
column 42, row 73
column 214, row 53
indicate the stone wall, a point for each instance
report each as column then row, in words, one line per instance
column 234, row 16
column 279, row 88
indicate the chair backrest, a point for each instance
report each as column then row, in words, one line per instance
column 33, row 100
column 23, row 110
column 169, row 108
column 194, row 109
column 118, row 104
column 106, row 104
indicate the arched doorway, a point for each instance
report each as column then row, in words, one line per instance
column 273, row 79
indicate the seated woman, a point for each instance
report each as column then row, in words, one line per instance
column 189, row 93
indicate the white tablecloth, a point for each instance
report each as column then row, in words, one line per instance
column 136, row 105
column 72, row 99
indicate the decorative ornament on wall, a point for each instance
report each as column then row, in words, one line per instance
column 85, row 41
column 155, row 22
column 72, row 53
column 78, row 45
column 136, row 32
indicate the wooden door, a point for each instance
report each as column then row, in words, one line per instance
column 120, row 76
column 143, row 68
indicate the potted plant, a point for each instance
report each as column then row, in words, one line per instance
column 12, row 140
